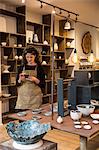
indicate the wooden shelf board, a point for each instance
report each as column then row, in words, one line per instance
column 39, row 44
column 11, row 13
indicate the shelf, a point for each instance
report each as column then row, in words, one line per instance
column 57, row 59
column 7, row 98
column 58, row 51
column 59, row 37
column 8, row 85
column 11, row 13
column 46, row 65
column 69, row 39
column 69, row 48
column 39, row 44
column 62, row 69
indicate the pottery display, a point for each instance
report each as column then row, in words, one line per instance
column 55, row 46
column 27, row 132
column 35, row 38
column 85, row 109
column 6, row 67
column 75, row 114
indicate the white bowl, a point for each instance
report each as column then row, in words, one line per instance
column 95, row 116
column 5, row 57
column 19, row 45
column 75, row 114
column 6, row 95
column 86, row 109
column 3, row 43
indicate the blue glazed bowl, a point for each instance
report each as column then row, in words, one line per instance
column 27, row 132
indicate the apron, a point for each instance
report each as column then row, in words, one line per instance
column 29, row 93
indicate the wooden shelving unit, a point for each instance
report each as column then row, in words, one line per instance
column 11, row 49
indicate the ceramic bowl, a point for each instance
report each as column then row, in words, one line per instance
column 86, row 109
column 75, row 114
column 6, row 95
column 3, row 43
column 5, row 57
column 27, row 132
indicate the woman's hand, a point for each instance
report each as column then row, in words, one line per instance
column 34, row 79
column 22, row 77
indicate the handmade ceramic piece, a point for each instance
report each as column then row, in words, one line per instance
column 6, row 67
column 95, row 116
column 27, row 132
column 75, row 114
column 59, row 119
column 86, row 109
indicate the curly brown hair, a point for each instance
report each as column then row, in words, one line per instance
column 32, row 51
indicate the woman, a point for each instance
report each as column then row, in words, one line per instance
column 30, row 81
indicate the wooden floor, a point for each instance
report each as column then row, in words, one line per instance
column 65, row 141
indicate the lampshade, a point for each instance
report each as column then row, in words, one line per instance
column 91, row 58
column 67, row 25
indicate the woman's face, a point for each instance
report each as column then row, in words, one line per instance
column 30, row 58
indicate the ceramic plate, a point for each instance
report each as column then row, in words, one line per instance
column 36, row 117
column 78, row 126
column 95, row 121
column 87, row 127
column 77, row 122
column 95, row 116
column 49, row 113
column 20, row 114
column 94, row 102
column 84, row 122
column 36, row 111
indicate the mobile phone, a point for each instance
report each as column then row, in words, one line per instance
column 26, row 75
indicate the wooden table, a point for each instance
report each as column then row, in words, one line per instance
column 66, row 126
column 8, row 145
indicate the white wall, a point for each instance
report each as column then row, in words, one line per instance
column 33, row 17
column 81, row 29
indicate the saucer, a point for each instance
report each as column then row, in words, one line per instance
column 87, row 127
column 84, row 122
column 21, row 114
column 95, row 121
column 78, row 126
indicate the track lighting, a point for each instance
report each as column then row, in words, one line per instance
column 59, row 8
column 67, row 24
column 60, row 12
column 41, row 5
column 76, row 18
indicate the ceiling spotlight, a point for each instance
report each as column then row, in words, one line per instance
column 76, row 18
column 41, row 5
column 23, row 1
column 60, row 12
column 68, row 15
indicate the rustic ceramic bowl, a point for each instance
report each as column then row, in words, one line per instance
column 86, row 109
column 27, row 132
column 75, row 114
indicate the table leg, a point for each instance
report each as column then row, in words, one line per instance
column 83, row 143
column 0, row 112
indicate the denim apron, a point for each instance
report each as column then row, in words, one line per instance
column 29, row 93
